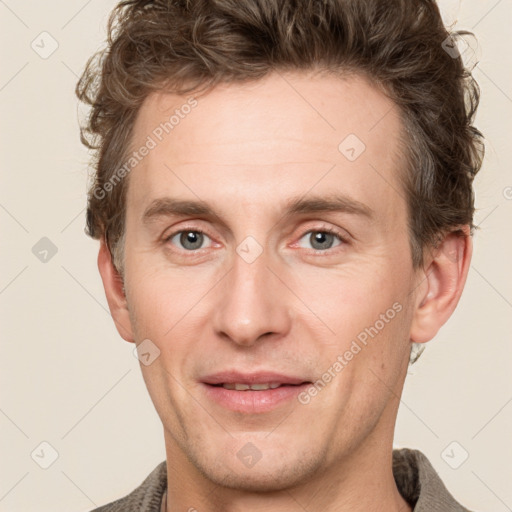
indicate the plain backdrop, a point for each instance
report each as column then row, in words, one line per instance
column 68, row 380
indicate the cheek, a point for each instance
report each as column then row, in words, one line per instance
column 163, row 301
column 371, row 364
column 370, row 318
column 152, row 301
column 352, row 298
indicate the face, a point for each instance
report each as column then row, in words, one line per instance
column 267, row 248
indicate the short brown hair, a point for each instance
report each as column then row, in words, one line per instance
column 187, row 45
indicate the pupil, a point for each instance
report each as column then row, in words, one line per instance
column 321, row 238
column 193, row 238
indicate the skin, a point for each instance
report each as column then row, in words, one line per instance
column 246, row 149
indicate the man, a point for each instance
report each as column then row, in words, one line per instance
column 283, row 196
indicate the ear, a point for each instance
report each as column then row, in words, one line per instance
column 113, row 284
column 444, row 278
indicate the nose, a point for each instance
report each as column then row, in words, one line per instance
column 253, row 303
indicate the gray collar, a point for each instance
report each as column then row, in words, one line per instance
column 420, row 485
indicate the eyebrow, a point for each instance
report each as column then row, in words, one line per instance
column 168, row 206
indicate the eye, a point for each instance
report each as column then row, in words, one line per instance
column 322, row 239
column 190, row 239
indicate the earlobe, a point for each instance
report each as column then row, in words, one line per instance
column 444, row 279
column 114, row 291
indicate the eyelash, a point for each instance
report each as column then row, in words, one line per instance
column 319, row 252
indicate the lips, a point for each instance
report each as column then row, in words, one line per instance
column 252, row 393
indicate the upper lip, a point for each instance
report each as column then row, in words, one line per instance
column 237, row 377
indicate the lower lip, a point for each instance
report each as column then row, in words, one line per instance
column 252, row 402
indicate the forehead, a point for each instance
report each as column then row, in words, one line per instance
column 260, row 141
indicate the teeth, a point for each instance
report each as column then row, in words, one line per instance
column 260, row 387
column 253, row 387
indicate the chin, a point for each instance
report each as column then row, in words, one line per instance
column 264, row 477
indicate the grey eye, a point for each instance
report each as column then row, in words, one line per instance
column 321, row 240
column 190, row 240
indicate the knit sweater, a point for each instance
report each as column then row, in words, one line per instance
column 415, row 478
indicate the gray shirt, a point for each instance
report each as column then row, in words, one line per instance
column 415, row 478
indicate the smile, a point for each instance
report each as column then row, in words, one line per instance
column 252, row 393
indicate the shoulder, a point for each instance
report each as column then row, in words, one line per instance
column 145, row 498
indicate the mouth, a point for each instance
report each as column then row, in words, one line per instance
column 252, row 387
column 252, row 393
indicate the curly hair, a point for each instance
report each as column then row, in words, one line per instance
column 192, row 45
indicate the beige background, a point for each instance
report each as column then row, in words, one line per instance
column 68, row 379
